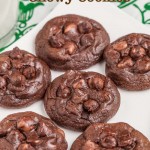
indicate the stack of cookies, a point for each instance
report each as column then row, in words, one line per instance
column 77, row 100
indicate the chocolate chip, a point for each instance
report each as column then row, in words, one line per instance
column 114, row 56
column 126, row 62
column 73, row 108
column 54, row 30
column 63, row 92
column 17, row 64
column 27, row 124
column 125, row 52
column 146, row 45
column 108, row 142
column 137, row 52
column 119, row 46
column 79, row 96
column 87, row 39
column 29, row 59
column 15, row 137
column 2, row 83
column 17, row 79
column 96, row 83
column 70, row 29
column 50, row 144
column 16, row 53
column 70, row 48
column 29, row 72
column 125, row 139
column 79, row 84
column 142, row 66
column 107, row 97
column 5, row 64
column 43, row 130
column 56, row 41
column 25, row 147
column 91, row 105
column 89, row 145
column 33, row 138
column 85, row 27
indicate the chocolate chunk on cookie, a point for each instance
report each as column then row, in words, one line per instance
column 23, row 78
column 77, row 99
column 71, row 42
column 30, row 131
column 117, row 136
column 128, row 61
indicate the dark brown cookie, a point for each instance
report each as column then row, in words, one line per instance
column 128, row 61
column 77, row 99
column 117, row 136
column 71, row 42
column 23, row 78
column 30, row 131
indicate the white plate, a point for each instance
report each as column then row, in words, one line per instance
column 135, row 106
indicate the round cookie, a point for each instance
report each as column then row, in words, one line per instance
column 30, row 131
column 128, row 61
column 117, row 136
column 71, row 42
column 76, row 99
column 23, row 78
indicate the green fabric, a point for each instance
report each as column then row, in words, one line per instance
column 26, row 12
column 139, row 8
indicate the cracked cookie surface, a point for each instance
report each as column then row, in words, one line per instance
column 117, row 136
column 128, row 61
column 71, row 42
column 30, row 131
column 23, row 78
column 77, row 99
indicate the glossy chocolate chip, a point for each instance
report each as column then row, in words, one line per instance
column 85, row 27
column 56, row 42
column 29, row 72
column 2, row 83
column 125, row 63
column 87, row 39
column 79, row 84
column 142, row 66
column 70, row 48
column 96, row 83
column 70, row 29
column 25, row 147
column 16, row 53
column 137, row 52
column 108, row 142
column 119, row 46
column 64, row 92
column 27, row 124
column 17, row 79
column 5, row 64
column 91, row 105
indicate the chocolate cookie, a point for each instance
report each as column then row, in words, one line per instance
column 30, row 131
column 77, row 99
column 23, row 78
column 128, row 61
column 117, row 136
column 71, row 42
